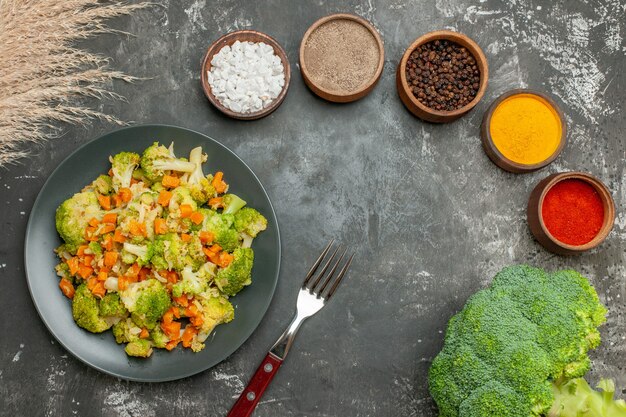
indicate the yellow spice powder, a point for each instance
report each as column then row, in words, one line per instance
column 526, row 129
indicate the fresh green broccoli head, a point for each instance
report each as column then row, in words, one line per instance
column 86, row 312
column 216, row 309
column 103, row 184
column 220, row 225
column 126, row 331
column 73, row 215
column 147, row 301
column 138, row 253
column 156, row 160
column 511, row 340
column 159, row 339
column 232, row 203
column 190, row 283
column 250, row 221
column 122, row 165
column 111, row 306
column 238, row 274
column 141, row 348
column 575, row 398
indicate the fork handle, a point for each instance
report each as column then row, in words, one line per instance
column 251, row 395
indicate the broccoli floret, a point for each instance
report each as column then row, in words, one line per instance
column 503, row 351
column 63, row 270
column 159, row 339
column 181, row 195
column 111, row 306
column 86, row 312
column 220, row 225
column 250, row 221
column 73, row 215
column 122, row 165
column 168, row 252
column 575, row 398
column 141, row 253
column 200, row 186
column 103, row 184
column 216, row 309
column 232, row 203
column 147, row 301
column 191, row 283
column 139, row 175
column 157, row 159
column 140, row 348
column 126, row 331
column 238, row 274
column 95, row 248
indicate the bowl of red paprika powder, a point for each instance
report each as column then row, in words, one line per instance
column 570, row 212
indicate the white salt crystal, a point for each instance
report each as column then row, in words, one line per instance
column 246, row 77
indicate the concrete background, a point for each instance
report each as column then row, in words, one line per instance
column 433, row 219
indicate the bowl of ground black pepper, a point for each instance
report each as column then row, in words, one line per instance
column 341, row 57
column 442, row 76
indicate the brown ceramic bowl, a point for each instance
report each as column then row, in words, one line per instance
column 334, row 95
column 244, row 36
column 424, row 112
column 535, row 218
column 494, row 153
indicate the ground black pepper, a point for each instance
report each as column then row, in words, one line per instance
column 443, row 75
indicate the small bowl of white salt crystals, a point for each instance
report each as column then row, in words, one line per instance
column 245, row 74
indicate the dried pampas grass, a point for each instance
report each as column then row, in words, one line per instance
column 43, row 74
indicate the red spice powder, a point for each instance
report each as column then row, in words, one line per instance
column 573, row 212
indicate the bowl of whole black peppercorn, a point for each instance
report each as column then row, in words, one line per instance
column 442, row 76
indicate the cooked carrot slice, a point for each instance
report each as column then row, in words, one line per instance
column 125, row 194
column 181, row 301
column 133, row 271
column 164, row 197
column 188, row 335
column 216, row 202
column 81, row 250
column 118, row 237
column 107, row 242
column 206, row 237
column 196, row 217
column 122, row 282
column 88, row 259
column 143, row 273
column 99, row 290
column 185, row 210
column 197, row 320
column 224, row 259
column 185, row 237
column 105, row 201
column 172, row 329
column 170, row 181
column 144, row 334
column 160, row 226
column 73, row 264
column 172, row 277
column 85, row 271
column 117, row 200
column 172, row 344
column 218, row 183
column 110, row 258
column 67, row 288
column 137, row 229
column 109, row 218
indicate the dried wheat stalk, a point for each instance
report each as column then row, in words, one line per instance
column 43, row 75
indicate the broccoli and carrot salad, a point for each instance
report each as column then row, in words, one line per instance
column 154, row 250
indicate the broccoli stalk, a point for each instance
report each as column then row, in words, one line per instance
column 575, row 398
column 232, row 203
column 505, row 348
column 157, row 159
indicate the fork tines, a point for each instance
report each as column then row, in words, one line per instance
column 317, row 283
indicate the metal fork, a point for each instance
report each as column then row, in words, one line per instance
column 315, row 292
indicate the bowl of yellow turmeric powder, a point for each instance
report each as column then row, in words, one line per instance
column 523, row 130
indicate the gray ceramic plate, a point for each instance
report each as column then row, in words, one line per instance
column 100, row 350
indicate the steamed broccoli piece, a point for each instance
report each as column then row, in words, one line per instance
column 63, row 270
column 141, row 253
column 157, row 159
column 103, row 184
column 232, row 203
column 111, row 306
column 238, row 274
column 147, row 301
column 575, row 398
column 215, row 310
column 73, row 215
column 220, row 225
column 250, row 221
column 126, row 331
column 95, row 248
column 139, row 175
column 122, row 165
column 200, row 186
column 181, row 195
column 159, row 339
column 191, row 283
column 141, row 348
column 168, row 252
column 86, row 312
column 503, row 351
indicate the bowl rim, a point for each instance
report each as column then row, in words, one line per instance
column 228, row 39
column 607, row 203
column 492, row 150
column 381, row 55
column 464, row 41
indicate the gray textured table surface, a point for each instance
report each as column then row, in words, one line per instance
column 432, row 217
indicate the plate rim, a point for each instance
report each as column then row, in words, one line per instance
column 201, row 368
